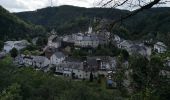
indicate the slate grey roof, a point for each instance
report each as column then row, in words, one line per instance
column 71, row 59
column 138, row 48
column 92, row 61
column 39, row 59
column 72, row 65
column 161, row 44
column 59, row 55
column 126, row 43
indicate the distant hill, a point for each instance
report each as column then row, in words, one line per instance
column 153, row 23
column 12, row 27
column 69, row 18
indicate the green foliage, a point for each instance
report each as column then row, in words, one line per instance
column 14, row 28
column 147, row 94
column 125, row 54
column 13, row 92
column 91, row 77
column 26, row 52
column 70, row 18
column 79, row 53
column 28, row 84
column 107, row 50
column 147, row 81
column 14, row 52
column 42, row 41
column 139, row 65
column 1, row 45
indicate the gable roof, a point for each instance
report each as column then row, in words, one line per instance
column 161, row 44
column 59, row 55
column 39, row 59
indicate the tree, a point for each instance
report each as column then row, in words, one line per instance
column 26, row 52
column 139, row 66
column 1, row 45
column 153, row 72
column 14, row 52
column 11, row 93
column 147, row 80
column 42, row 41
column 125, row 54
column 119, row 76
column 91, row 77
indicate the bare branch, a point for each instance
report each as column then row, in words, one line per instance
column 147, row 6
column 107, row 3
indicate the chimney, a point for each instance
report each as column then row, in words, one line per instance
column 85, row 65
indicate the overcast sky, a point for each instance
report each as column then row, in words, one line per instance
column 29, row 5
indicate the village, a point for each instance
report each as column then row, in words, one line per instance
column 56, row 55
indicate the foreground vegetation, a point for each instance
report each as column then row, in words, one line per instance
column 28, row 84
column 146, row 83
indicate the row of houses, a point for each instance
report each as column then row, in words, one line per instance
column 137, row 47
column 132, row 47
column 67, row 66
column 82, row 69
column 87, row 39
column 51, row 56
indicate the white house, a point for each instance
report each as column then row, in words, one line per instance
column 57, row 58
column 72, row 69
column 160, row 47
column 27, row 60
column 34, row 61
column 82, row 70
column 87, row 41
column 9, row 45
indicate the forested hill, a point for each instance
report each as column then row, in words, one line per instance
column 12, row 27
column 69, row 18
column 153, row 23
column 149, row 24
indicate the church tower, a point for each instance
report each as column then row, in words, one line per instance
column 90, row 30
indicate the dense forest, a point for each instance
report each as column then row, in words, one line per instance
column 12, row 27
column 68, row 19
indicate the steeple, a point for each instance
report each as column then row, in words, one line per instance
column 90, row 30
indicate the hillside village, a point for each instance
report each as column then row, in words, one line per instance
column 84, row 50
column 56, row 55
